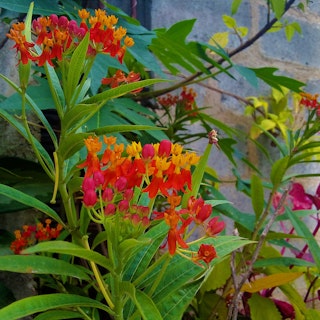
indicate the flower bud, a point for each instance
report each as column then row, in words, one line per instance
column 147, row 151
column 128, row 194
column 98, row 178
column 165, row 148
column 123, row 205
column 90, row 198
column 109, row 209
column 88, row 184
column 121, row 184
column 107, row 195
column 214, row 227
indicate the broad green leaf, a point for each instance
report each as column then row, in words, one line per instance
column 257, row 196
column 278, row 7
column 58, row 315
column 267, row 75
column 218, row 276
column 183, row 278
column 42, row 7
column 41, row 303
column 263, row 308
column 29, row 201
column 208, row 302
column 273, row 280
column 248, row 74
column 143, row 302
column 141, row 259
column 302, row 230
column 65, row 247
column 41, row 265
column 278, row 170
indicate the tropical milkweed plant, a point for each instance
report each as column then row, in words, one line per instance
column 132, row 237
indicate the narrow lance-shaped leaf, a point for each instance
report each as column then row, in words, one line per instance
column 36, row 304
column 197, row 176
column 257, row 197
column 19, row 196
column 302, row 230
column 41, row 265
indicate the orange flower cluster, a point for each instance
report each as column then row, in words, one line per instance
column 310, row 101
column 186, row 101
column 159, row 169
column 30, row 235
column 59, row 36
column 163, row 167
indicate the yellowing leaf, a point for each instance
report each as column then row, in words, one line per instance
column 267, row 124
column 243, row 31
column 229, row 21
column 220, row 38
column 271, row 281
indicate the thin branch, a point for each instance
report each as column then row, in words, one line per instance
column 233, row 309
column 237, row 50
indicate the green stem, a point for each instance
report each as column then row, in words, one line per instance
column 31, row 137
column 102, row 286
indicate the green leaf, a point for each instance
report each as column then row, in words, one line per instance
column 248, row 74
column 234, row 6
column 120, row 91
column 75, row 68
column 257, row 196
column 141, row 259
column 183, row 278
column 197, row 176
column 218, row 276
column 26, row 176
column 278, row 170
column 64, row 247
column 302, row 230
column 283, row 261
column 19, row 196
column 58, row 315
column 263, row 308
column 32, row 305
column 74, row 142
column 267, row 75
column 278, row 7
column 144, row 303
column 41, row 265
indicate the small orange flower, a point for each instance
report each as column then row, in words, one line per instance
column 206, row 253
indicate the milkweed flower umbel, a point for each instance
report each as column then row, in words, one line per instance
column 58, row 37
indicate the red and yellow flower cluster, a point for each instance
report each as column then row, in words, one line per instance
column 30, row 235
column 185, row 102
column 59, row 36
column 158, row 169
column 310, row 101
